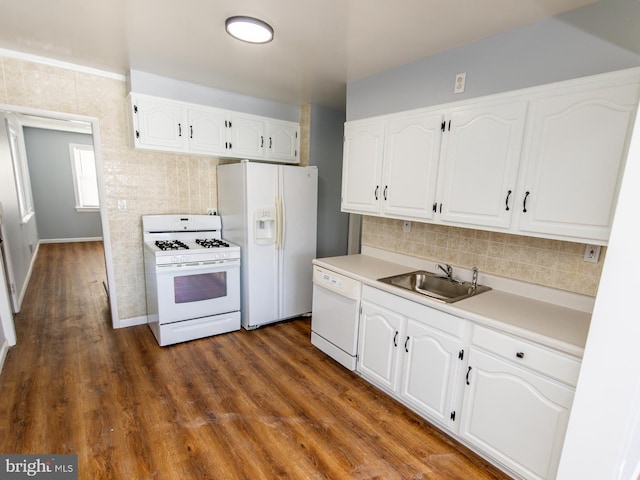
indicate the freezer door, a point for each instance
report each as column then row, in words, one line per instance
column 298, row 211
column 260, row 261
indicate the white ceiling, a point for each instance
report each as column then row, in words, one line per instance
column 319, row 45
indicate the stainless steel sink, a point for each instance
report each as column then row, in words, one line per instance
column 435, row 286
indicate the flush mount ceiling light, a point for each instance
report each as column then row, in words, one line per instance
column 249, row 29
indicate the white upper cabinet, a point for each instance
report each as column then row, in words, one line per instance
column 207, row 130
column 362, row 166
column 479, row 166
column 259, row 138
column 545, row 161
column 573, row 162
column 410, row 167
column 247, row 136
column 282, row 141
column 390, row 166
column 167, row 125
column 159, row 124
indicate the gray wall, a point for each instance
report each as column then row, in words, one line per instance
column 147, row 83
column 52, row 185
column 325, row 151
column 568, row 46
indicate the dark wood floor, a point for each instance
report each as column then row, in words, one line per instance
column 252, row 405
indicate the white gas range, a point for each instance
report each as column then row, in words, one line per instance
column 192, row 277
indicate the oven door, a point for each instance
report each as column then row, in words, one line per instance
column 197, row 290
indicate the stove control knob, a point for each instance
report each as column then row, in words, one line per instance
column 174, row 259
column 183, row 258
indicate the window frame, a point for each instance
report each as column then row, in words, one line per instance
column 74, row 148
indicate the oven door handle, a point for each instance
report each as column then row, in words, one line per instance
column 195, row 266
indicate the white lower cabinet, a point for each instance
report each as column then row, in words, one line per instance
column 413, row 352
column 515, row 410
column 507, row 398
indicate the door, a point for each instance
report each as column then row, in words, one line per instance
column 480, row 164
column 381, row 333
column 430, row 370
column 282, row 141
column 298, row 207
column 260, row 258
column 6, row 315
column 207, row 131
column 160, row 124
column 573, row 164
column 514, row 415
column 362, row 167
column 411, row 153
column 247, row 137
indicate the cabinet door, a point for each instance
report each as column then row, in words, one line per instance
column 480, row 163
column 431, row 365
column 207, row 131
column 247, row 137
column 160, row 124
column 515, row 416
column 282, row 141
column 574, row 158
column 362, row 167
column 381, row 331
column 411, row 153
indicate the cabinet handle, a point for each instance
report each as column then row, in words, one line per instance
column 435, row 207
column 506, row 202
column 384, row 194
column 261, row 141
column 524, row 204
column 395, row 339
column 406, row 349
column 467, row 378
column 376, row 192
column 190, row 131
column 520, row 354
column 270, row 142
column 179, row 130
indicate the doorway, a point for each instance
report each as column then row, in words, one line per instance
column 20, row 237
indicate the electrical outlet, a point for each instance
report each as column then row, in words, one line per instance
column 592, row 253
column 406, row 226
column 211, row 211
column 459, row 84
column 122, row 205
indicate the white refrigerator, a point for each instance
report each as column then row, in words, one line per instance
column 270, row 211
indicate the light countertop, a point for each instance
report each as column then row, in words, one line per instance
column 555, row 326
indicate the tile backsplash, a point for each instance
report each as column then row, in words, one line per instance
column 551, row 263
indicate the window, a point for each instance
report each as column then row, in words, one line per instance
column 20, row 171
column 85, row 182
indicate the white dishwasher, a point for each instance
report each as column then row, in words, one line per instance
column 335, row 315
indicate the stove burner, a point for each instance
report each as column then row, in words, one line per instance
column 211, row 243
column 171, row 245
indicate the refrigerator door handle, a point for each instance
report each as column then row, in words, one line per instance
column 278, row 224
column 283, row 222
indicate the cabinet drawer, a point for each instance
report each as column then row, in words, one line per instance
column 535, row 357
column 426, row 315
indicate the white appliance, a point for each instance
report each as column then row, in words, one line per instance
column 192, row 278
column 336, row 313
column 270, row 211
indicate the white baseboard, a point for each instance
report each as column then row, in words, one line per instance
column 71, row 240
column 27, row 279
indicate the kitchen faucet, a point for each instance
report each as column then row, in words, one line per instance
column 446, row 269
